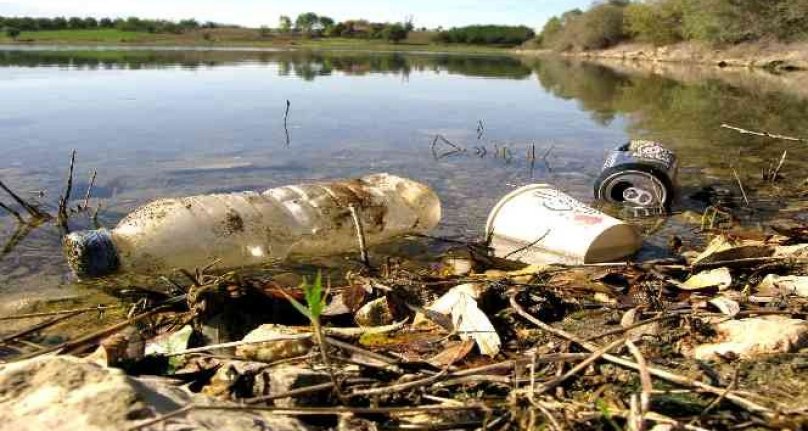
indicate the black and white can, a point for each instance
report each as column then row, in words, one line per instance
column 639, row 176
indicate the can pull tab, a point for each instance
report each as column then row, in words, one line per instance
column 637, row 196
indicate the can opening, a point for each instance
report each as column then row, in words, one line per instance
column 618, row 190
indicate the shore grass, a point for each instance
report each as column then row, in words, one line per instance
column 236, row 37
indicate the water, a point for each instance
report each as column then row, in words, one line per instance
column 173, row 122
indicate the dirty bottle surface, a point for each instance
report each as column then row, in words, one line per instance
column 248, row 228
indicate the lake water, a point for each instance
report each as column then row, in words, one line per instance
column 157, row 123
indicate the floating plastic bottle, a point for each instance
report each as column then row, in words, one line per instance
column 249, row 228
column 538, row 224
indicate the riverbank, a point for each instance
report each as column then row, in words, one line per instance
column 237, row 38
column 768, row 55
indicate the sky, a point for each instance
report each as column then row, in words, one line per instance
column 254, row 13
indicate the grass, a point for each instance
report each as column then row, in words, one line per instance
column 236, row 37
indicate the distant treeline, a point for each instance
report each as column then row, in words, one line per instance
column 124, row 24
column 663, row 22
column 487, row 35
column 314, row 25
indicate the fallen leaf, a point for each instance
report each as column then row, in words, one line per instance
column 452, row 354
column 719, row 278
column 726, row 305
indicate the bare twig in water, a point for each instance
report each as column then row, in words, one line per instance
column 33, row 210
column 99, row 308
column 360, row 235
column 772, row 174
column 527, row 246
column 11, row 211
column 86, row 203
column 740, row 184
column 480, row 129
column 39, row 326
column 285, row 121
column 766, row 134
column 65, row 198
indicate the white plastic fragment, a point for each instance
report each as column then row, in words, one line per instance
column 755, row 336
column 786, row 285
column 719, row 278
column 727, row 306
column 468, row 320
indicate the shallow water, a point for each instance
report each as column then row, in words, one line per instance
column 158, row 123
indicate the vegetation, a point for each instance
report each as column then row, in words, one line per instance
column 133, row 24
column 487, row 35
column 663, row 22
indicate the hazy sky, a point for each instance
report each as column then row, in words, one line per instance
column 429, row 13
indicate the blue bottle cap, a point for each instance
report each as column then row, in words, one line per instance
column 91, row 253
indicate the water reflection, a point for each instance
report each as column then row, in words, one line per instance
column 303, row 64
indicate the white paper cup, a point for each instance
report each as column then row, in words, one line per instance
column 539, row 224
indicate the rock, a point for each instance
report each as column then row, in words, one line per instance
column 786, row 285
column 792, row 251
column 747, row 338
column 284, row 378
column 375, row 313
column 61, row 393
column 271, row 351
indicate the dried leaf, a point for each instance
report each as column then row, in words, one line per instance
column 455, row 352
column 719, row 277
column 721, row 249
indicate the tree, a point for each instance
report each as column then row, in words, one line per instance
column 285, row 24
column 394, row 32
column 106, row 23
column 306, row 22
column 12, row 32
column 75, row 23
column 90, row 22
column 326, row 23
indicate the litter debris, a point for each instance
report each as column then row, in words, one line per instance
column 277, row 345
column 639, row 176
column 784, row 285
column 250, row 228
column 748, row 338
column 719, row 278
column 468, row 320
column 539, row 224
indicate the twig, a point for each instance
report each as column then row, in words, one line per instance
column 400, row 386
column 285, row 119
column 31, row 209
column 63, row 200
column 239, row 343
column 360, row 236
column 291, row 393
column 766, row 134
column 732, row 385
column 779, row 166
column 480, row 129
column 39, row 326
column 544, row 387
column 56, row 313
column 747, row 260
column 303, row 411
column 11, row 211
column 647, row 387
column 75, row 345
column 527, row 246
column 659, row 373
column 86, row 203
column 740, row 184
column 621, row 330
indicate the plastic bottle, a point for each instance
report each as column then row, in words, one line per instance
column 248, row 228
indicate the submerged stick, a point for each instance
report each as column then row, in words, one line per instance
column 766, row 134
column 740, row 184
column 31, row 209
column 39, row 326
column 86, row 203
column 285, row 120
column 11, row 211
column 360, row 235
column 65, row 198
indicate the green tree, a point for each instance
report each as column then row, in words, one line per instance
column 75, row 23
column 307, row 22
column 325, row 23
column 12, row 32
column 394, row 32
column 285, row 25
